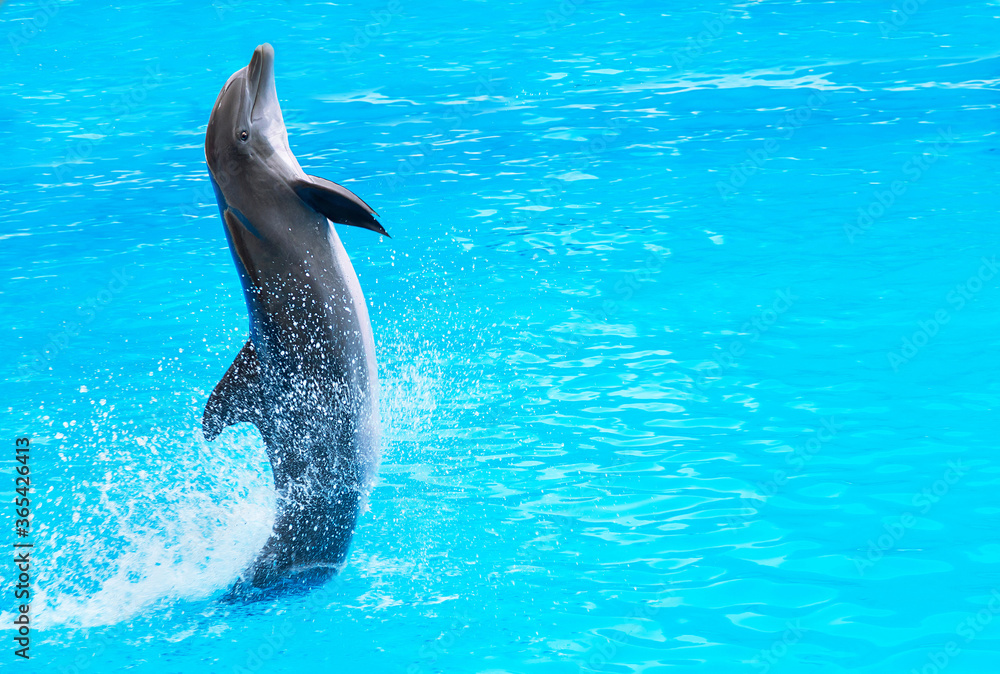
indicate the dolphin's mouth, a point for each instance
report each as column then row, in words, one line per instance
column 260, row 79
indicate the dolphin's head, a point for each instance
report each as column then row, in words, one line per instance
column 246, row 138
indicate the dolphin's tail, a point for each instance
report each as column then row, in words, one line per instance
column 307, row 547
column 246, row 591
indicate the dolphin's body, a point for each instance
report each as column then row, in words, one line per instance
column 307, row 376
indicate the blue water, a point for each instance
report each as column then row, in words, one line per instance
column 656, row 394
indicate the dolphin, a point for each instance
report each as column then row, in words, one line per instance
column 306, row 377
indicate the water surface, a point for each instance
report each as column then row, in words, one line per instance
column 686, row 334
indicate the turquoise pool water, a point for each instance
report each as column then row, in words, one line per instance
column 686, row 334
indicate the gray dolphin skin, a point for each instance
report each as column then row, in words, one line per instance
column 307, row 375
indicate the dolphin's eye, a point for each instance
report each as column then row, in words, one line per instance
column 244, row 135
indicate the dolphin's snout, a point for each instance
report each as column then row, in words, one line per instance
column 262, row 60
column 260, row 78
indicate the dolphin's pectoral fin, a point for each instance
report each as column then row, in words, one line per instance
column 237, row 397
column 337, row 203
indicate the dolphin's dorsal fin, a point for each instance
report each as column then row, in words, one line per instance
column 237, row 397
column 336, row 203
